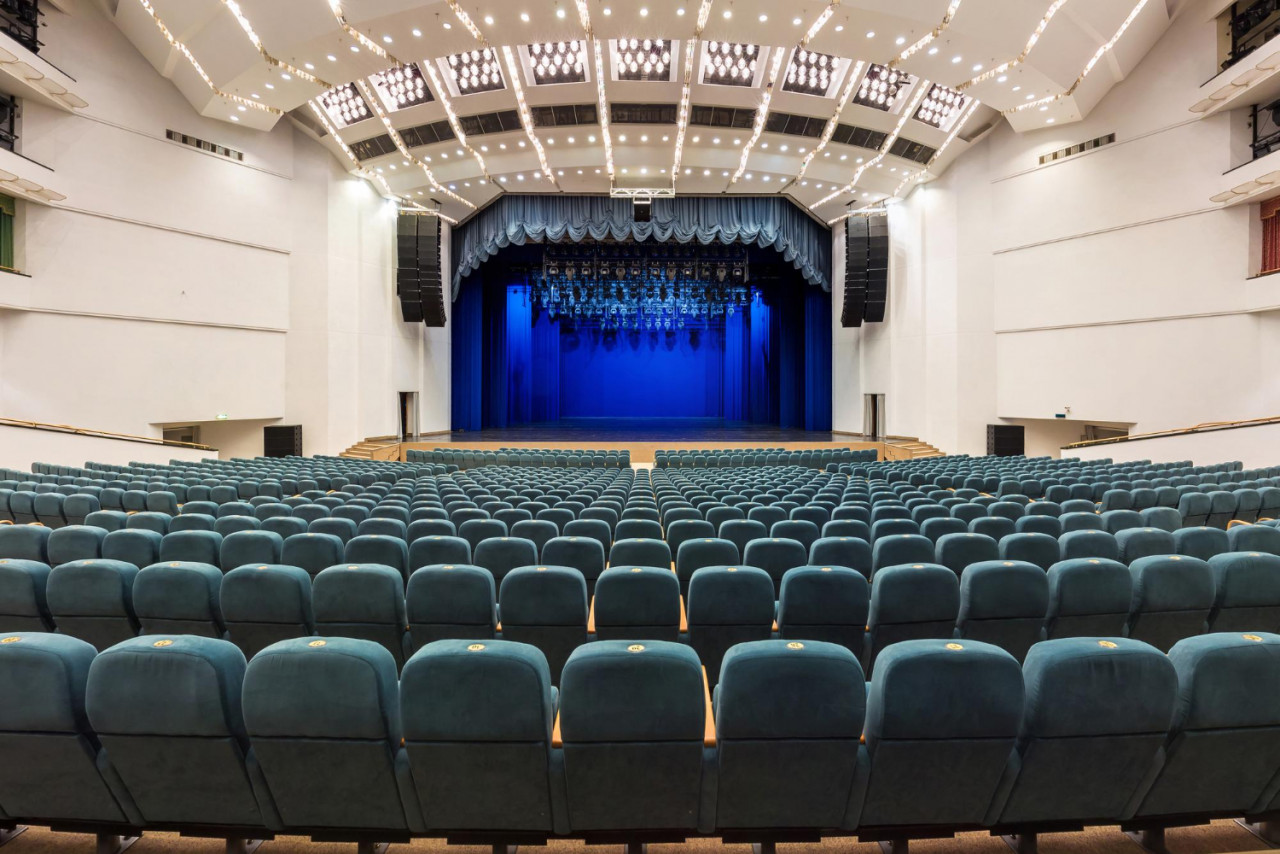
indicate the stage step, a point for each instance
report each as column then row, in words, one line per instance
column 919, row 450
column 365, row 450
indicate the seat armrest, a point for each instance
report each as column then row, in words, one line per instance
column 709, row 732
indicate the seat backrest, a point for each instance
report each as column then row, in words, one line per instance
column 363, row 601
column 379, row 549
column 1082, row 521
column 853, row 552
column 1222, row 749
column 75, row 542
column 1041, row 550
column 1137, row 543
column 1254, row 538
column 1200, row 542
column 1097, row 714
column 93, row 600
column 24, row 542
column 1088, row 543
column 637, row 603
column 335, row 702
column 250, row 547
column 179, row 597
column 265, row 603
column 1088, row 597
column 24, row 604
column 585, row 554
column 775, row 556
column 957, row 551
column 150, row 699
column 901, row 549
column 546, row 607
column 640, row 552
column 450, row 601
column 312, row 552
column 825, row 603
column 955, row 705
column 1164, row 518
column 192, row 547
column 1246, row 592
column 633, row 722
column 789, row 715
column 694, row 554
column 438, row 549
column 728, row 605
column 1003, row 602
column 1172, row 598
column 911, row 601
column 53, row 768
column 478, row 717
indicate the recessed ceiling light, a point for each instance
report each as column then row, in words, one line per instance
column 623, row 138
column 782, row 148
column 559, row 13
column 591, row 138
column 417, row 34
column 687, row 170
column 459, row 152
column 680, row 11
column 524, row 16
column 466, row 183
column 488, row 20
column 624, row 170
column 519, row 177
column 571, row 140
column 644, row 170
column 502, row 145
column 502, row 178
column 715, row 140
column 449, row 26
column 607, row 11
column 644, row 137
column 728, row 13
column 551, row 141
column 747, row 176
column 871, row 34
column 1048, row 121
column 696, row 138
column 977, row 67
column 256, row 95
column 271, row 85
column 484, row 148
column 840, row 28
column 310, row 67
column 1043, row 109
column 1002, row 78
column 724, row 174
column 767, row 178
column 355, row 48
column 933, row 51
column 764, row 145
column 644, row 12
column 284, row 76
column 1031, row 96
column 331, row 58
column 579, row 171
column 235, row 118
column 522, row 143
column 706, row 172
column 955, row 59
column 764, row 18
column 387, row 39
column 900, row 40
column 444, row 155
column 844, row 157
column 665, row 137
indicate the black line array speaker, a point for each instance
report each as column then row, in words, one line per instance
column 282, row 440
column 866, row 269
column 1006, row 440
column 419, row 280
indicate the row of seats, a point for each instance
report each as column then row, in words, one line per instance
column 472, row 742
column 472, row 458
column 737, row 457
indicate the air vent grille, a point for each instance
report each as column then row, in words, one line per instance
column 915, row 151
column 204, row 145
column 1079, row 148
column 501, row 122
column 721, row 117
column 795, row 125
column 565, row 115
column 642, row 114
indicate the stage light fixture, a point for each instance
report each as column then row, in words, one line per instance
column 810, row 73
column 344, row 105
column 730, row 63
column 558, row 62
column 643, row 59
column 939, row 105
column 476, row 70
column 881, row 87
column 401, row 87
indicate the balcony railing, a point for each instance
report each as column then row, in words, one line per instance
column 20, row 20
column 1251, row 25
column 1266, row 128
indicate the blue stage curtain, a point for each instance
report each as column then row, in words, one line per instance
column 546, row 383
column 762, row 398
column 467, row 351
column 817, row 360
column 737, row 367
column 766, row 221
column 520, row 373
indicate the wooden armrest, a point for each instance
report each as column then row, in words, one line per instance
column 684, row 617
column 709, row 734
column 591, row 617
column 1235, row 522
column 499, row 626
column 556, row 740
column 775, row 625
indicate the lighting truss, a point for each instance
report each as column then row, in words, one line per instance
column 881, row 86
column 401, row 87
column 730, row 63
column 345, row 106
column 558, row 62
column 939, row 105
column 647, row 60
column 476, row 70
column 810, row 73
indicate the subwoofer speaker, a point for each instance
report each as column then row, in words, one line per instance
column 282, row 440
column 866, row 269
column 419, row 282
column 1006, row 440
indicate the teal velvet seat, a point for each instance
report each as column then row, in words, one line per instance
column 380, row 550
column 632, row 721
column 133, row 545
column 825, row 603
column 637, row 603
column 148, row 521
column 1088, row 543
column 802, row 531
column 420, row 528
column 1093, row 732
column 1172, row 598
column 1222, row 509
column 1081, row 521
column 450, row 601
column 789, row 715
column 1138, row 543
column 942, row 722
column 75, row 542
column 437, row 549
column 1003, row 603
column 900, row 549
column 696, row 553
column 541, row 531
column 642, row 552
column 1088, row 597
column 545, row 606
column 266, row 603
column 24, row 604
column 384, row 527
column 1246, row 592
column 48, row 509
column 78, row 507
column 54, row 769
column 478, row 717
column 323, row 719
column 250, row 547
column 1040, row 550
column 910, row 602
column 1164, row 518
column 585, row 554
column 728, row 605
column 1038, row 524
column 958, row 551
column 288, row 526
column 1202, row 543
column 180, row 598
column 1253, row 538
column 343, row 529
column 192, row 522
column 1194, row 507
column 1223, row 748
column 107, row 520
column 93, row 600
column 476, row 531
column 312, row 552
column 192, row 547
column 883, row 528
column 363, row 601
column 24, row 542
column 853, row 552
column 775, row 556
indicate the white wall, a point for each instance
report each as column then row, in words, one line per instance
column 174, row 286
column 1255, row 447
column 22, row 447
column 1106, row 282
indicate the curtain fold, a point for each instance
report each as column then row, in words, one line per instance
column 766, row 221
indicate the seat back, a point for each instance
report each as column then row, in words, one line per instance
column 453, row 601
column 775, row 557
column 1003, row 603
column 901, row 549
column 958, row 551
column 250, row 547
column 24, row 542
column 192, row 547
column 911, row 601
column 546, row 607
column 694, row 554
column 381, row 550
column 1088, row 597
column 825, row 603
column 265, row 603
column 179, row 597
column 1254, row 538
column 728, row 605
column 1040, row 550
column 93, row 600
column 331, row 703
column 75, row 542
column 1172, row 598
column 363, row 601
column 1135, row 543
column 312, row 552
column 853, row 552
column 1246, row 592
column 24, row 604
column 1202, row 543
column 637, row 603
column 585, row 554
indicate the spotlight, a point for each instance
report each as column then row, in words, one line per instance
column 401, row 87
column 809, row 73
column 939, row 105
column 730, row 63
column 558, row 62
column 344, row 105
column 643, row 59
column 476, row 70
column 881, row 86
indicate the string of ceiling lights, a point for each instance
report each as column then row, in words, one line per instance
column 602, row 100
column 686, row 91
column 1021, row 57
column 925, row 40
column 245, row 25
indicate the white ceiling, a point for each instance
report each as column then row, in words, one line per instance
column 959, row 40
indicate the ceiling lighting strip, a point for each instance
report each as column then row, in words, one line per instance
column 869, row 209
column 921, row 87
column 364, row 41
column 182, row 48
column 1026, row 51
column 245, row 25
column 369, row 96
column 762, row 112
column 465, row 20
column 526, row 117
column 602, row 100
column 682, row 115
column 1101, row 52
column 919, row 174
column 443, row 94
column 928, row 37
column 827, row 132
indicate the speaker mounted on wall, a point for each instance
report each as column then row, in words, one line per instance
column 866, row 269
column 419, row 279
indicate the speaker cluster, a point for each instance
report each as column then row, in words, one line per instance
column 419, row 282
column 866, row 270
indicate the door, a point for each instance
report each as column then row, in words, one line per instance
column 873, row 416
column 408, row 415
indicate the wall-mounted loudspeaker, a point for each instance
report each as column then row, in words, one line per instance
column 866, row 269
column 1006, row 440
column 282, row 440
column 419, row 279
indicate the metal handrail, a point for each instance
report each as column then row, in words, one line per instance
column 104, row 434
column 1206, row 427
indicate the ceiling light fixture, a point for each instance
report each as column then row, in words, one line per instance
column 682, row 114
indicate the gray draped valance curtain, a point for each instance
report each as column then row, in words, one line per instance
column 766, row 221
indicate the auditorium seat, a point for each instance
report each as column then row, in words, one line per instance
column 450, row 601
column 633, row 721
column 250, row 547
column 1092, row 733
column 1172, row 598
column 728, row 605
column 192, row 522
column 1088, row 543
column 1088, row 597
column 192, row 547
column 179, row 597
column 697, row 553
column 93, row 600
column 24, row 605
column 54, row 770
column 1003, row 603
column 378, row 549
column 75, row 542
column 546, row 607
column 317, row 705
column 585, row 554
column 957, row 551
column 953, row 708
column 1246, row 592
column 1135, row 543
column 24, row 542
column 911, row 601
column 852, row 552
column 1194, row 507
column 438, row 549
column 742, row 531
column 995, row 527
column 153, row 699
column 77, row 508
column 312, row 552
column 1038, row 524
column 1164, row 518
column 802, row 531
column 1253, row 538
column 478, row 718
column 362, row 601
column 789, row 716
column 637, row 603
column 643, row 552
column 884, row 528
column 266, row 603
column 1081, row 522
column 1202, row 543
column 632, row 529
column 1222, row 509
column 825, row 603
